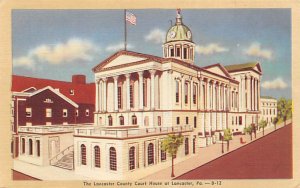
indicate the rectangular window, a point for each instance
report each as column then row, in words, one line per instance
column 178, row 120
column 240, row 120
column 131, row 96
column 87, row 112
column 65, row 112
column 28, row 112
column 119, row 97
column 48, row 112
column 195, row 122
column 186, row 120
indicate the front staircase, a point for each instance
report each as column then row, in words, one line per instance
column 66, row 162
column 64, row 159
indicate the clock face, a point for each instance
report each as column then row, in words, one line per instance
column 172, row 34
column 189, row 34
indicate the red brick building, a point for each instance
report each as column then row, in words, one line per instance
column 39, row 102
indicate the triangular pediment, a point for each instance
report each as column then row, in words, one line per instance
column 122, row 60
column 125, row 57
column 218, row 69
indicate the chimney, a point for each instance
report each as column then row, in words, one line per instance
column 79, row 79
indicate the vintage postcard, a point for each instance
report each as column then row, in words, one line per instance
column 131, row 94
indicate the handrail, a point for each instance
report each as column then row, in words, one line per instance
column 116, row 133
column 62, row 153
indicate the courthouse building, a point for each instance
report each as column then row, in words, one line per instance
column 141, row 98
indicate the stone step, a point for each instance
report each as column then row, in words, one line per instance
column 66, row 162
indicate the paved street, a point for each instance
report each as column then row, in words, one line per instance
column 268, row 157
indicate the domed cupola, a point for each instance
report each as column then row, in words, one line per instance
column 179, row 43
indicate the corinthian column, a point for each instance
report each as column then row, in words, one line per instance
column 141, row 94
column 152, row 73
column 97, row 96
column 104, row 94
column 127, row 92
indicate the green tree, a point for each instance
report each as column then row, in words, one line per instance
column 284, row 109
column 227, row 137
column 275, row 121
column 262, row 124
column 171, row 144
column 248, row 130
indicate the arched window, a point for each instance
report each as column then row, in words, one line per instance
column 119, row 97
column 97, row 156
column 23, row 145
column 83, row 154
column 100, row 120
column 110, row 120
column 171, row 51
column 150, row 154
column 134, row 120
column 159, row 120
column 177, row 91
column 194, row 145
column 145, row 92
column 132, row 158
column 178, row 50
column 163, row 155
column 112, row 159
column 131, row 93
column 194, row 94
column 38, row 149
column 121, row 118
column 186, row 92
column 146, row 121
column 30, row 146
column 185, row 51
column 186, row 146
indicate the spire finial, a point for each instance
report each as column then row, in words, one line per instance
column 178, row 17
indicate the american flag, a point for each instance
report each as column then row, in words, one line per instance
column 130, row 18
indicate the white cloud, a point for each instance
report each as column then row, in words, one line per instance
column 256, row 50
column 24, row 61
column 156, row 36
column 210, row 49
column 277, row 83
column 72, row 50
column 117, row 47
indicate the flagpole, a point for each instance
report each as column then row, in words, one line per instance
column 125, row 30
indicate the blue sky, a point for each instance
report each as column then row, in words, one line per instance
column 56, row 44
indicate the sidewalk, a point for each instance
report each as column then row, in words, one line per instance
column 46, row 172
column 202, row 156
column 207, row 154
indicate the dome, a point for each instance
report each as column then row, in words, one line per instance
column 179, row 31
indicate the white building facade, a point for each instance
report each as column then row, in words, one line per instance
column 268, row 109
column 142, row 98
